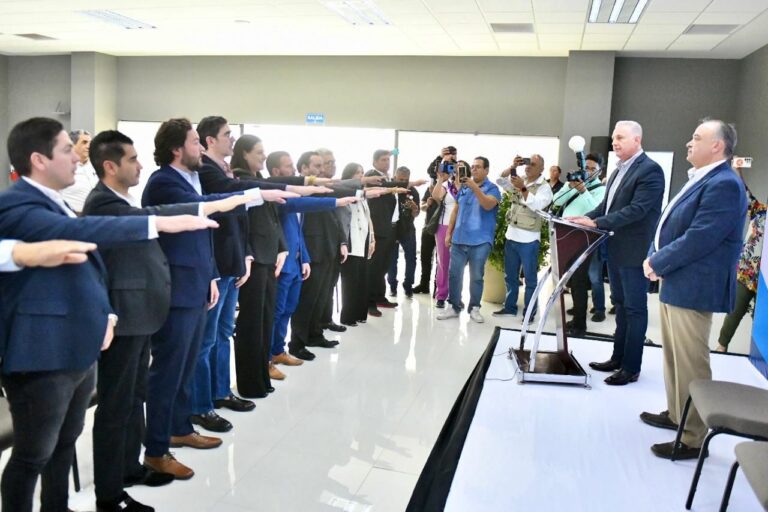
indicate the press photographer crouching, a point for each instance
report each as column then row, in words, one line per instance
column 583, row 192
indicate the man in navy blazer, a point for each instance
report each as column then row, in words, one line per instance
column 55, row 321
column 694, row 255
column 193, row 290
column 630, row 209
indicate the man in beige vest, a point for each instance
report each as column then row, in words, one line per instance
column 521, row 248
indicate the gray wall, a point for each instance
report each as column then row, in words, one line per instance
column 4, row 164
column 94, row 89
column 668, row 97
column 483, row 94
column 587, row 104
column 36, row 85
column 752, row 119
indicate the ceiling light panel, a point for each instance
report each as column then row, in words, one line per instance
column 363, row 13
column 117, row 19
column 616, row 11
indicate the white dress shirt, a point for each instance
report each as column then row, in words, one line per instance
column 193, row 178
column 693, row 177
column 85, row 179
column 621, row 171
column 6, row 256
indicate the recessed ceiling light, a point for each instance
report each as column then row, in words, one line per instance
column 710, row 30
column 616, row 11
column 358, row 12
column 116, row 19
column 512, row 28
column 36, row 37
column 244, row 22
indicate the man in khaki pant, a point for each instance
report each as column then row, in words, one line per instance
column 694, row 254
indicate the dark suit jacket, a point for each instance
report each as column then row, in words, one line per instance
column 230, row 244
column 264, row 235
column 55, row 318
column 292, row 230
column 189, row 254
column 382, row 209
column 139, row 280
column 634, row 212
column 700, row 242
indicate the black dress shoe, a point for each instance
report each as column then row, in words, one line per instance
column 606, row 366
column 621, row 378
column 660, row 420
column 421, row 289
column 362, row 321
column 334, row 327
column 373, row 311
column 569, row 311
column 124, row 504
column 350, row 324
column 148, row 477
column 302, row 353
column 599, row 316
column 684, row 452
column 322, row 343
column 612, row 311
column 271, row 389
column 409, row 294
column 211, row 421
column 576, row 331
column 234, row 403
column 386, row 304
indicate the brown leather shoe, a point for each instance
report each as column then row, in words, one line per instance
column 287, row 359
column 168, row 464
column 195, row 440
column 274, row 373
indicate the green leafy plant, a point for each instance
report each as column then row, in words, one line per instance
column 496, row 259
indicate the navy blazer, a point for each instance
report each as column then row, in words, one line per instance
column 700, row 242
column 634, row 212
column 292, row 230
column 190, row 254
column 139, row 281
column 55, row 318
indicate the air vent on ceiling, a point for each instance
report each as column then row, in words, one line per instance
column 512, row 28
column 116, row 19
column 710, row 30
column 616, row 11
column 36, row 37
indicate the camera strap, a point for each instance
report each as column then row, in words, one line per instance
column 575, row 196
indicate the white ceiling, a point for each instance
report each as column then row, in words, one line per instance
column 419, row 27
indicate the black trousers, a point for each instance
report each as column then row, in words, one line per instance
column 579, row 291
column 354, row 289
column 253, row 331
column 48, row 413
column 305, row 322
column 336, row 272
column 425, row 257
column 118, row 425
column 378, row 268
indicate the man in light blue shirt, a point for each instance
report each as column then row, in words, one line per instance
column 470, row 235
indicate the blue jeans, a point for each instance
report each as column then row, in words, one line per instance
column 629, row 289
column 211, row 379
column 286, row 300
column 596, row 280
column 476, row 256
column 518, row 254
column 408, row 243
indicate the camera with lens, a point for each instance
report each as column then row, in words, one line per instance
column 580, row 175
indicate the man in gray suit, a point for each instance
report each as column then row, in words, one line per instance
column 140, row 292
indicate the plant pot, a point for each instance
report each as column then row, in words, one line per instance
column 494, row 289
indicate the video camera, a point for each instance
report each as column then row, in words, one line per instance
column 580, row 175
column 438, row 166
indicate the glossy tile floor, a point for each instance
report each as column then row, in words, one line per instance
column 349, row 431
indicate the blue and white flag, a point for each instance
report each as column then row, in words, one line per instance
column 758, row 353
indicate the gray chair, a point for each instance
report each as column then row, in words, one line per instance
column 725, row 408
column 753, row 458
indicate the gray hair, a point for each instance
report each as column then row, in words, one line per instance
column 633, row 126
column 74, row 135
column 324, row 152
column 726, row 132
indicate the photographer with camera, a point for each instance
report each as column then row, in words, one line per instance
column 405, row 235
column 523, row 228
column 584, row 192
column 445, row 192
column 470, row 236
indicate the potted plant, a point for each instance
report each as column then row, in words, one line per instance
column 494, row 288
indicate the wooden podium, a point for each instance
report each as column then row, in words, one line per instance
column 570, row 245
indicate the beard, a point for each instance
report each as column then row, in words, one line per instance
column 191, row 162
